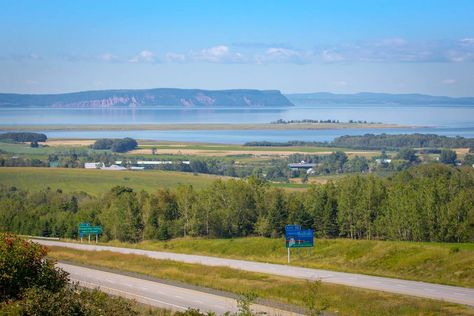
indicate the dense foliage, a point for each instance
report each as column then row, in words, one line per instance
column 116, row 145
column 24, row 137
column 385, row 141
column 23, row 266
column 425, row 203
column 381, row 141
column 31, row 285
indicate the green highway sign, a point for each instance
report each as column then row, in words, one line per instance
column 87, row 229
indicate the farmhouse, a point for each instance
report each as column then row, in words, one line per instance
column 113, row 168
column 93, row 165
column 301, row 165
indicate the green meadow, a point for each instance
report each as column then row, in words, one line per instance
column 96, row 182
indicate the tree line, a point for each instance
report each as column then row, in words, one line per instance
column 23, row 137
column 116, row 145
column 381, row 141
column 424, row 203
column 386, row 141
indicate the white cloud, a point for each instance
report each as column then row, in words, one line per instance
column 399, row 50
column 217, row 54
column 469, row 41
column 283, row 55
column 145, row 56
column 214, row 54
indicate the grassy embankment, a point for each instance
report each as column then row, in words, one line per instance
column 442, row 263
column 342, row 300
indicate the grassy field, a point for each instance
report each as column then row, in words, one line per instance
column 442, row 263
column 177, row 149
column 342, row 300
column 229, row 150
column 96, row 182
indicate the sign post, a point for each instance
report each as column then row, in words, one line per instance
column 87, row 229
column 298, row 238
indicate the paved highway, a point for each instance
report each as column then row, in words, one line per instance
column 157, row 294
column 452, row 294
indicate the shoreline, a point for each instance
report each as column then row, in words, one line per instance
column 217, row 126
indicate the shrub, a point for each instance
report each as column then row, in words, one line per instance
column 23, row 266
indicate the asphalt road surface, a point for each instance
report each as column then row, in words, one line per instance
column 447, row 293
column 157, row 294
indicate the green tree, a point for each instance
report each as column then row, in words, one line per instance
column 448, row 157
column 24, row 265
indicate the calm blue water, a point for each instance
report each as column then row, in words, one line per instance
column 443, row 120
column 239, row 136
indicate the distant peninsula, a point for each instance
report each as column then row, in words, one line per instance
column 369, row 98
column 149, row 97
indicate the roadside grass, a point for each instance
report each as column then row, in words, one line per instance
column 342, row 300
column 443, row 263
column 96, row 182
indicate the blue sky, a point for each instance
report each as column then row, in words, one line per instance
column 296, row 46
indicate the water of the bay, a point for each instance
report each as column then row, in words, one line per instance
column 443, row 120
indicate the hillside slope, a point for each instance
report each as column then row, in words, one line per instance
column 148, row 97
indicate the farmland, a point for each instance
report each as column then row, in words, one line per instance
column 96, row 182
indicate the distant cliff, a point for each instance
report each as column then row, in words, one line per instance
column 375, row 99
column 149, row 97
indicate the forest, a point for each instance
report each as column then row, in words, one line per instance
column 430, row 202
column 381, row 142
column 23, row 137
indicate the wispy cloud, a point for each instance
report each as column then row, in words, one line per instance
column 217, row 54
column 386, row 50
column 399, row 50
column 448, row 81
column 109, row 57
column 284, row 55
column 175, row 58
column 145, row 56
column 22, row 57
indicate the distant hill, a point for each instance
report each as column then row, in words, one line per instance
column 148, row 97
column 375, row 98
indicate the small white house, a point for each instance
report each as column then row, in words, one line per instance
column 161, row 162
column 93, row 165
column 114, row 168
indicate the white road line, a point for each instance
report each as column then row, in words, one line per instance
column 96, row 285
